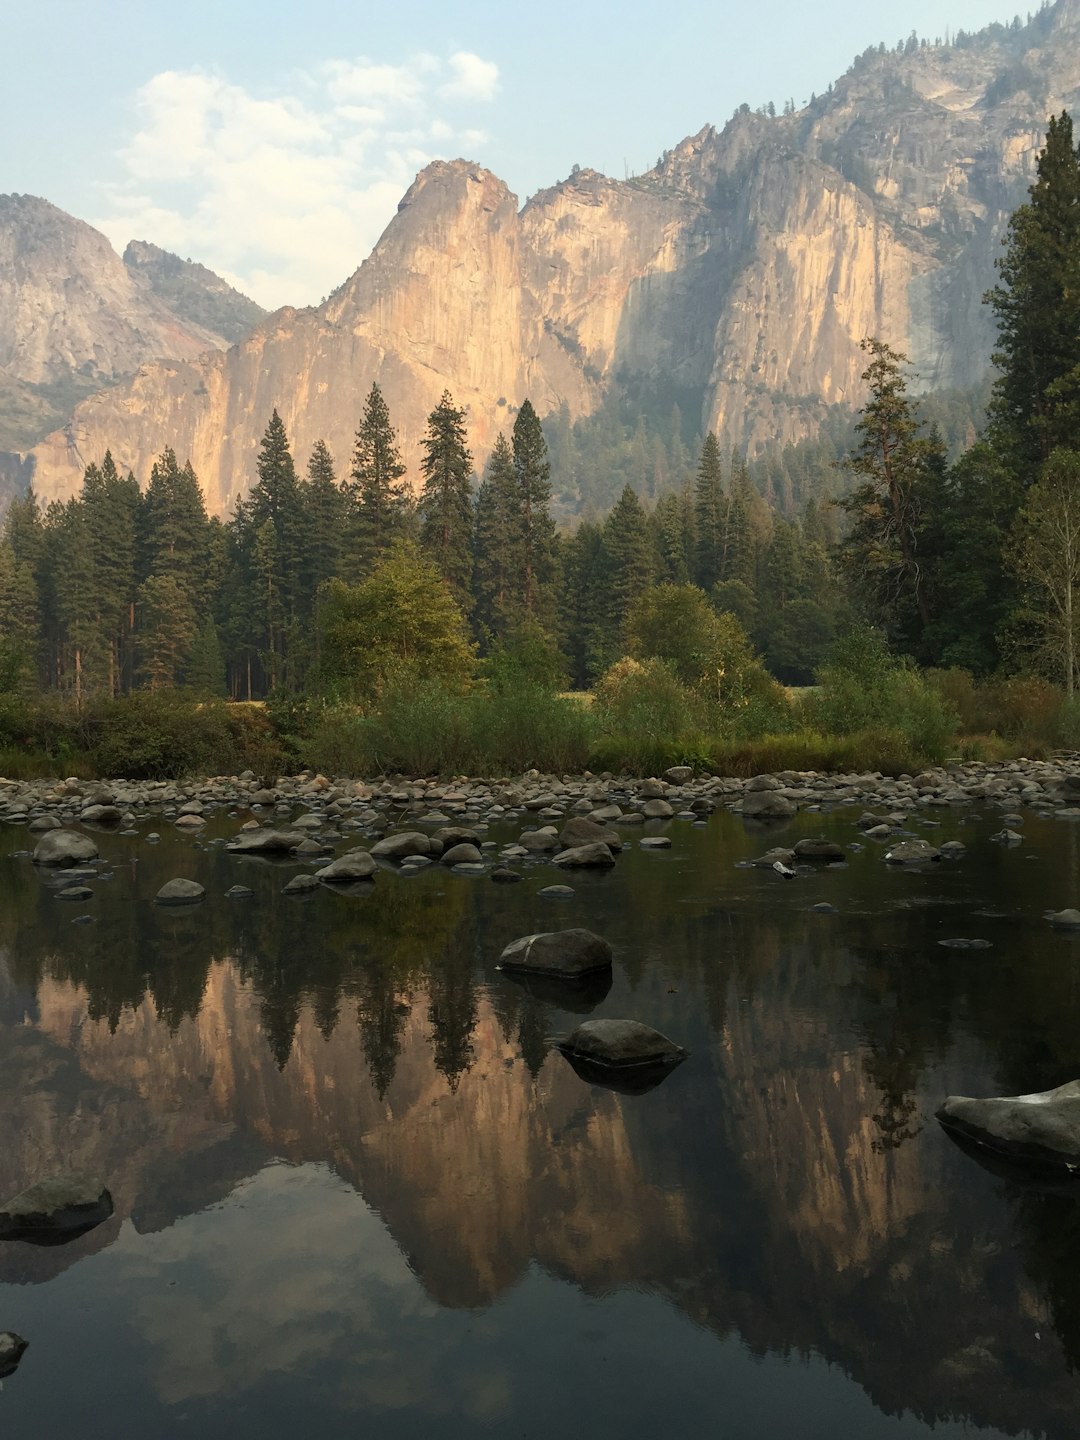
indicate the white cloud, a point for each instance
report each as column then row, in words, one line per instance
column 285, row 194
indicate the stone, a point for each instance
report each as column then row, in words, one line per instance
column 179, row 892
column 450, row 835
column 655, row 842
column 819, row 851
column 959, row 943
column 912, row 852
column 1065, row 919
column 568, row 954
column 556, row 892
column 12, row 1347
column 265, row 842
column 679, row 775
column 463, row 854
column 403, row 843
column 766, row 805
column 301, row 885
column 1007, row 837
column 102, row 815
column 657, row 810
column 582, row 831
column 621, row 1043
column 239, row 892
column 777, row 855
column 503, row 875
column 762, row 783
column 41, row 823
column 538, row 842
column 75, row 892
column 594, row 856
column 56, row 1209
column 1042, row 1128
column 355, row 864
column 64, row 847
column 652, row 789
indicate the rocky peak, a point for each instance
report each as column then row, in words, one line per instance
column 194, row 293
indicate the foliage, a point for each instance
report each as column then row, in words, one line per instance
column 154, row 736
column 1046, row 556
column 445, row 506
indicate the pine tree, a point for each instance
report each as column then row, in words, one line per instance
column 627, row 567
column 496, row 566
column 445, row 506
column 112, row 525
column 380, row 501
column 535, row 529
column 709, row 508
column 1036, row 400
column 323, row 507
column 276, row 517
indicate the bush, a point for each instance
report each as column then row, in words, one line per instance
column 160, row 735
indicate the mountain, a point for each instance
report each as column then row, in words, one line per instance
column 75, row 318
column 736, row 277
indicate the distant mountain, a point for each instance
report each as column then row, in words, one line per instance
column 736, row 277
column 74, row 317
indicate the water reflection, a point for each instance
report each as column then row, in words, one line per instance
column 782, row 1187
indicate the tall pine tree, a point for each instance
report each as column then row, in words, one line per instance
column 445, row 505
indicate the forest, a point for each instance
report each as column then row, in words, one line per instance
column 953, row 555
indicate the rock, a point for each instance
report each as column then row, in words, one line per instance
column 301, row 885
column 1043, row 1128
column 64, row 847
column 56, row 1209
column 1007, row 837
column 823, row 908
column 621, row 1042
column 766, row 805
column 538, row 842
column 819, row 851
column 11, row 1352
column 1065, row 919
column 450, row 835
column 463, row 854
column 592, row 856
column 502, row 875
column 568, row 954
column 75, row 892
column 777, row 855
column 657, row 810
column 355, row 864
column 405, row 842
column 912, row 852
column 961, row 944
column 784, row 870
column 41, row 823
column 102, row 815
column 179, row 892
column 556, row 892
column 239, row 892
column 265, row 842
column 655, row 842
column 583, row 831
column 652, row 789
column 679, row 775
column 762, row 783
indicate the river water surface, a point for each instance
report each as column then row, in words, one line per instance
column 357, row 1193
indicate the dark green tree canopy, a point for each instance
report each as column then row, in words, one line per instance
column 445, row 506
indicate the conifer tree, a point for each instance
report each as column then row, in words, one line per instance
column 535, row 529
column 496, row 566
column 445, row 505
column 380, row 501
column 276, row 518
column 323, row 507
column 709, row 514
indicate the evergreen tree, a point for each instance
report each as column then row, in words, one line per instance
column 535, row 530
column 380, row 501
column 112, row 524
column 323, row 509
column 627, row 568
column 445, row 505
column 1046, row 556
column 276, row 517
column 579, row 600
column 709, row 509
column 1036, row 400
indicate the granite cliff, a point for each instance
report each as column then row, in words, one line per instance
column 740, row 273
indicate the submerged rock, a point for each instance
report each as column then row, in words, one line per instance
column 1065, row 919
column 585, row 856
column 179, row 892
column 266, row 842
column 912, row 852
column 567, row 954
column 56, row 1209
column 1042, row 1128
column 406, row 842
column 355, row 864
column 301, row 885
column 819, row 850
column 623, row 1055
column 64, row 847
column 766, row 805
column 11, row 1352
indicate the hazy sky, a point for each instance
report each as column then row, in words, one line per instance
column 273, row 140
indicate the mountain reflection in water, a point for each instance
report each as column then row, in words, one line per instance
column 355, row 1185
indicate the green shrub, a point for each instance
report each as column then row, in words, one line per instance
column 526, row 727
column 161, row 735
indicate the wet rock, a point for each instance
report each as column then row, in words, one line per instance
column 404, row 843
column 594, row 856
column 75, row 892
column 179, row 892
column 1007, row 837
column 1042, row 1128
column 355, row 864
column 655, row 842
column 767, row 805
column 56, row 1209
column 64, row 847
column 301, row 885
column 657, row 810
column 778, row 854
column 12, row 1347
column 265, row 842
column 583, row 831
column 784, row 870
column 567, row 954
column 41, row 823
column 959, row 943
column 463, row 854
column 450, row 835
column 239, row 892
column 819, row 851
column 102, row 815
column 953, row 849
column 1065, row 919
column 556, row 892
column 502, row 875
column 913, row 852
column 621, row 1042
column 823, row 908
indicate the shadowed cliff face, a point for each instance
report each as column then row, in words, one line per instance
column 744, row 269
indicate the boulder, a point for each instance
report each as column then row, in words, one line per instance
column 679, row 775
column 1041, row 1129
column 355, row 864
column 583, row 831
column 41, row 823
column 657, row 810
column 503, row 875
column 538, row 842
column 11, row 1352
column 592, row 856
column 766, row 805
column 56, row 1209
column 652, row 789
column 824, row 852
column 64, row 847
column 405, row 842
column 179, row 892
column 621, row 1042
column 75, row 892
column 912, row 852
column 266, row 842
column 102, row 815
column 567, row 954
column 777, row 855
column 1065, row 919
column 301, row 885
column 463, row 854
column 556, row 892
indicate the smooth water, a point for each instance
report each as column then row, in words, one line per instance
column 357, row 1193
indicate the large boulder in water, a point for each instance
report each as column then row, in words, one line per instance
column 1041, row 1129
column 355, row 864
column 766, row 805
column 11, row 1352
column 406, row 842
column 64, row 847
column 565, row 954
column 580, row 830
column 180, row 892
column 624, row 1055
column 266, row 842
column 912, row 852
column 56, row 1209
column 593, row 856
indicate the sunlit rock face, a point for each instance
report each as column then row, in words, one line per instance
column 740, row 275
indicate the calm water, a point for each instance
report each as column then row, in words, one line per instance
column 357, row 1193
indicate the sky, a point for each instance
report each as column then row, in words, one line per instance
column 273, row 141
